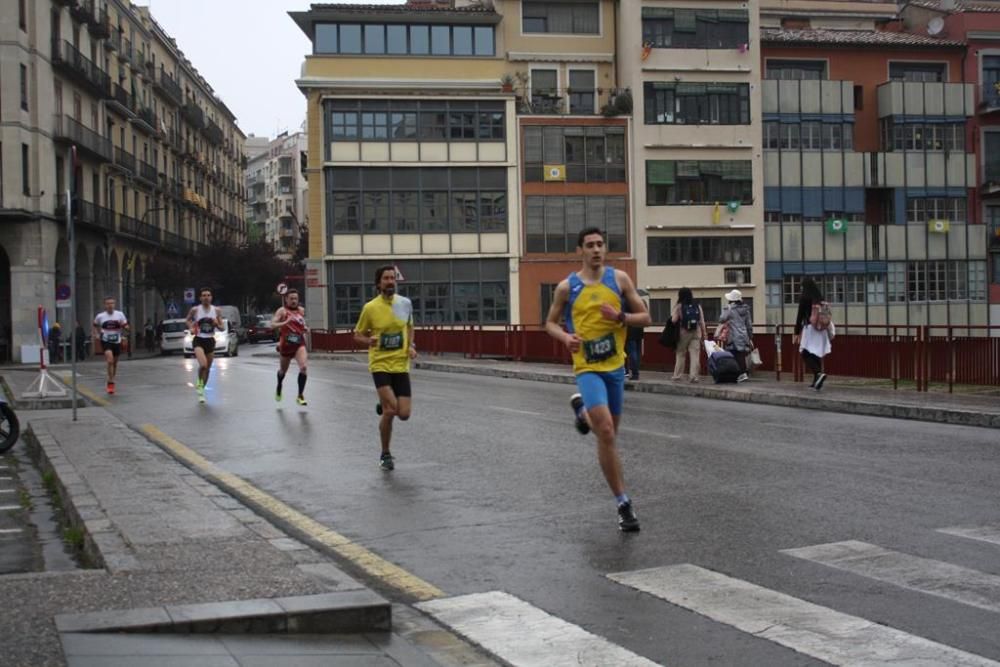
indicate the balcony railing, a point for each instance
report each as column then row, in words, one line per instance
column 114, row 40
column 991, row 96
column 70, row 130
column 550, row 101
column 124, row 160
column 125, row 52
column 147, row 172
column 83, row 11
column 86, row 213
column 138, row 229
column 193, row 114
column 171, row 88
column 121, row 99
column 69, row 59
column 100, row 28
column 147, row 121
column 214, row 133
column 177, row 243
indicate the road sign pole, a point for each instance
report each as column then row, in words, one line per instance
column 71, row 236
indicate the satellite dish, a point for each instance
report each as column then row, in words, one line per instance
column 935, row 26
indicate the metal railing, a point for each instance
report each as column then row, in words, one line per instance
column 69, row 58
column 138, row 229
column 170, row 86
column 124, row 159
column 214, row 133
column 69, row 129
column 122, row 98
column 193, row 114
column 147, row 172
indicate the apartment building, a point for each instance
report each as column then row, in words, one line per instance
column 977, row 24
column 869, row 168
column 412, row 159
column 693, row 69
column 277, row 192
column 156, row 168
column 573, row 123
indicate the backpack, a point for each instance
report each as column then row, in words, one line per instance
column 821, row 316
column 690, row 316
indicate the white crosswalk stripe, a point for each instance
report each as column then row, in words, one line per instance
column 933, row 577
column 982, row 533
column 526, row 636
column 817, row 631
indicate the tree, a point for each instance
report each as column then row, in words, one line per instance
column 167, row 276
column 244, row 275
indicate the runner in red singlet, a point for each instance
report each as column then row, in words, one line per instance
column 290, row 321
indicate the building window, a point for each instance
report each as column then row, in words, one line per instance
column 552, row 223
column 792, row 289
column 667, row 28
column 991, row 150
column 416, row 200
column 773, row 294
column 808, row 135
column 546, row 295
column 921, row 210
column 22, row 15
column 795, row 70
column 696, row 103
column 442, row 291
column 591, row 154
column 25, row 172
column 736, row 275
column 899, row 136
column 991, row 81
column 712, row 309
column 918, row 72
column 582, row 91
column 686, row 182
column 568, row 18
column 24, row 87
column 402, row 120
column 659, row 310
column 671, row 250
column 393, row 39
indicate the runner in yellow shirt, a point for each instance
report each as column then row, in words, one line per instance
column 593, row 303
column 386, row 329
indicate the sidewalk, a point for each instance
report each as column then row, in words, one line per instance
column 176, row 557
column 838, row 395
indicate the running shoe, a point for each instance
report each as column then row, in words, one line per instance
column 819, row 381
column 378, row 408
column 277, row 396
column 386, row 462
column 576, row 402
column 628, row 522
column 111, row 388
column 201, row 398
column 301, row 400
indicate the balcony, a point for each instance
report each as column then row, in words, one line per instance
column 177, row 243
column 138, row 229
column 139, row 61
column 568, row 101
column 826, row 96
column 68, row 130
column 147, row 172
column 991, row 178
column 87, row 213
column 146, row 121
column 100, row 28
column 214, row 133
column 125, row 52
column 193, row 114
column 83, row 11
column 911, row 98
column 121, row 101
column 114, row 41
column 169, row 87
column 68, row 59
column 991, row 97
column 124, row 160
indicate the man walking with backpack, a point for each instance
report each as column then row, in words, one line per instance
column 690, row 320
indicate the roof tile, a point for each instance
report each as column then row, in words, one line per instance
column 853, row 38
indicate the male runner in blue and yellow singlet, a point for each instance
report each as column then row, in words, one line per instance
column 593, row 303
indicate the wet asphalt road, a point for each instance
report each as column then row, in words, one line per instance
column 494, row 490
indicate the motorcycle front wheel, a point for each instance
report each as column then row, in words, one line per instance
column 10, row 427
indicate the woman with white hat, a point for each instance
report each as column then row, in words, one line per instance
column 740, row 340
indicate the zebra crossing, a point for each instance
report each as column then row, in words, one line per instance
column 524, row 635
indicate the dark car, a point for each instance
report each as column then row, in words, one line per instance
column 261, row 330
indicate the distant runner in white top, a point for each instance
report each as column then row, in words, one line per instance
column 110, row 326
column 203, row 320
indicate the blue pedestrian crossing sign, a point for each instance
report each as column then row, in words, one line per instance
column 172, row 309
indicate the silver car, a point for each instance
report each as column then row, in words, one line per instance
column 172, row 336
column 226, row 342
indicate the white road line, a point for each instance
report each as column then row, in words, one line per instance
column 655, row 434
column 982, row 533
column 5, row 508
column 526, row 636
column 6, row 490
column 932, row 577
column 8, row 531
column 515, row 410
column 802, row 626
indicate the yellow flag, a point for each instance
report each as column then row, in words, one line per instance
column 555, row 172
column 939, row 226
column 716, row 214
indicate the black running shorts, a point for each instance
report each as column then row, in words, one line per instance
column 115, row 348
column 207, row 344
column 400, row 383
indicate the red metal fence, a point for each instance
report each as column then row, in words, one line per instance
column 917, row 354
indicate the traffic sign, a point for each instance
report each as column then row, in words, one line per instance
column 63, row 294
column 172, row 309
column 399, row 274
column 282, row 288
column 189, row 295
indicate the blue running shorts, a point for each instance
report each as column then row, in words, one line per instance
column 603, row 389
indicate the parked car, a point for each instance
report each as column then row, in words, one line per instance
column 262, row 330
column 227, row 342
column 172, row 336
column 232, row 313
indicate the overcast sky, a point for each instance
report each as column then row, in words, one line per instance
column 249, row 51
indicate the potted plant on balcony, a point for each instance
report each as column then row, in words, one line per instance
column 507, row 83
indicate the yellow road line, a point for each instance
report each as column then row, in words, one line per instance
column 67, row 378
column 371, row 563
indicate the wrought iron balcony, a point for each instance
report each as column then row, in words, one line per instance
column 100, row 27
column 146, row 120
column 147, row 172
column 68, row 58
column 169, row 86
column 139, row 229
column 83, row 11
column 124, row 160
column 114, row 40
column 70, row 131
column 214, row 133
column 86, row 213
column 121, row 101
column 177, row 243
column 193, row 114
